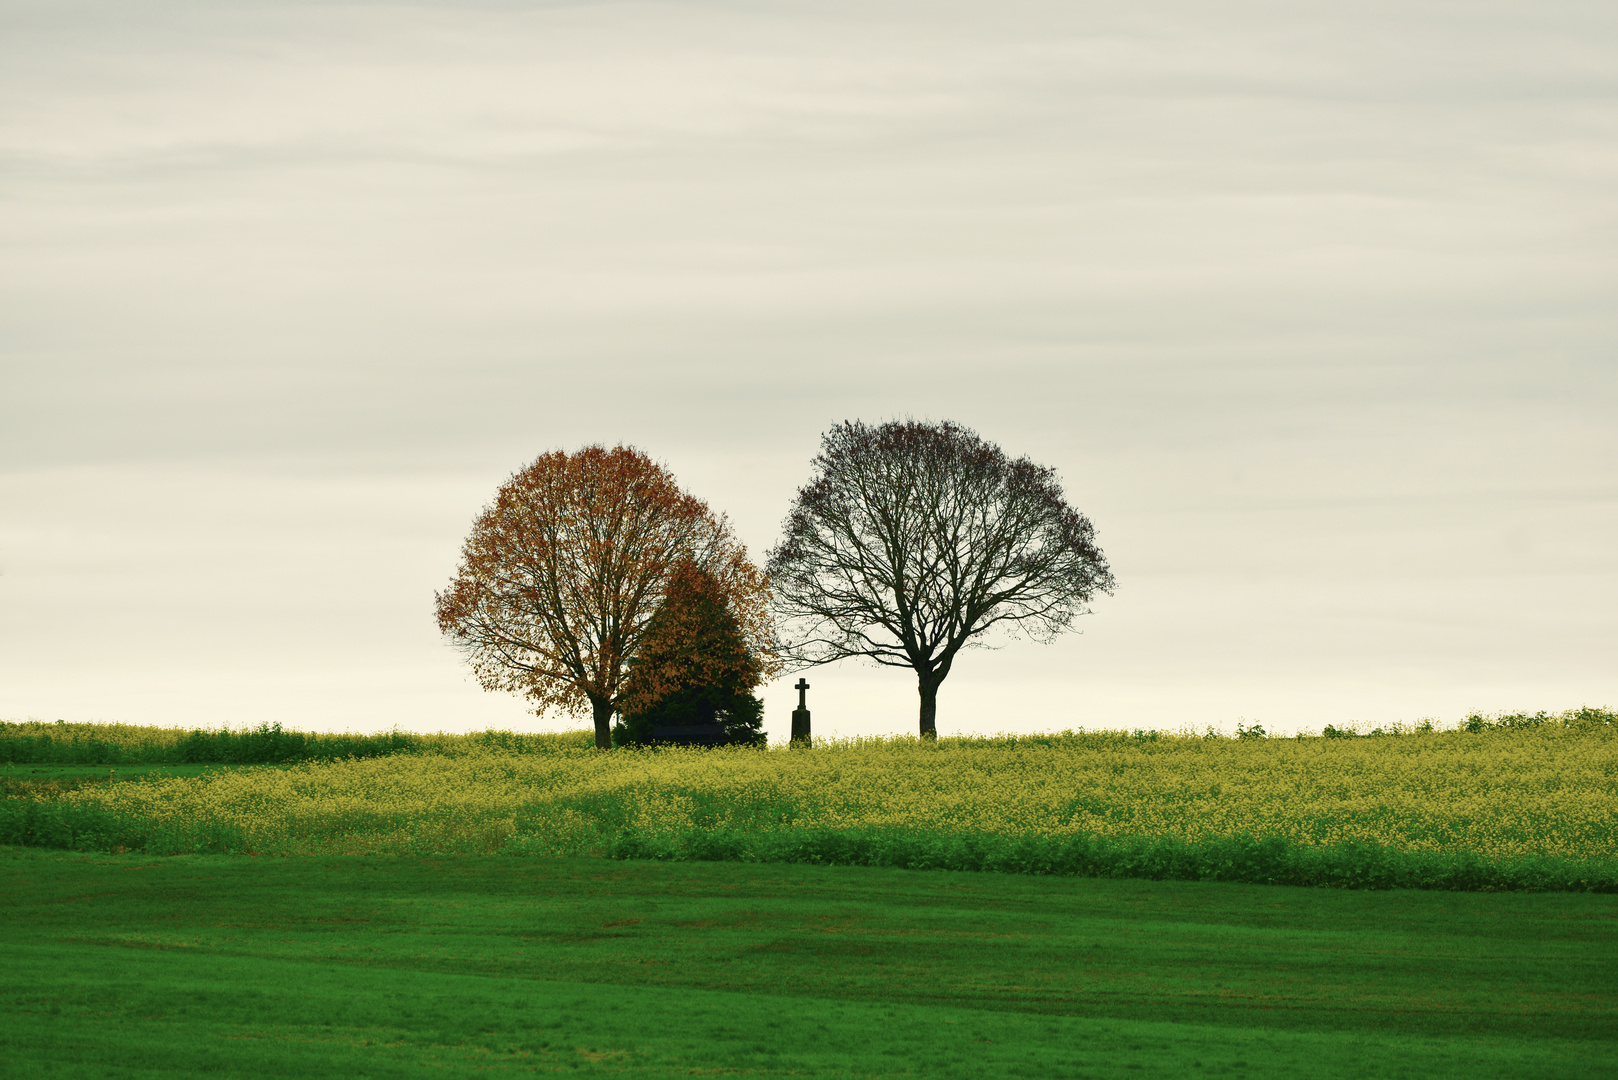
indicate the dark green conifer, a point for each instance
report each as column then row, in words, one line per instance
column 693, row 670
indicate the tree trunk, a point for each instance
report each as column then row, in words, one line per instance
column 603, row 718
column 927, row 686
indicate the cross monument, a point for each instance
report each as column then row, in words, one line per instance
column 800, row 717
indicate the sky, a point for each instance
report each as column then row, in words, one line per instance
column 1310, row 306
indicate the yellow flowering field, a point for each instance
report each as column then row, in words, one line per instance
column 1550, row 791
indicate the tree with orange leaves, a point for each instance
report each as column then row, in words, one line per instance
column 694, row 674
column 561, row 575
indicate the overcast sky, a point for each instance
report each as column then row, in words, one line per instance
column 1313, row 307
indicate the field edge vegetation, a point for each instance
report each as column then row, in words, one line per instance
column 42, row 742
column 1240, row 858
column 1512, row 802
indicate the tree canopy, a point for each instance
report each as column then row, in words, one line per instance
column 694, row 668
column 913, row 539
column 562, row 573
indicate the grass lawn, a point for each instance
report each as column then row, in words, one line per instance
column 126, row 966
column 22, row 776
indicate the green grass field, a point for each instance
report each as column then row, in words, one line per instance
column 131, row 966
column 12, row 774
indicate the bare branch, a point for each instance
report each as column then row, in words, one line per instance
column 913, row 539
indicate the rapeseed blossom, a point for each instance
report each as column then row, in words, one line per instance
column 1550, row 791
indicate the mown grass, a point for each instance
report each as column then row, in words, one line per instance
column 383, row 966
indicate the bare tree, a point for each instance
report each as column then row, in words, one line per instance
column 912, row 539
column 562, row 574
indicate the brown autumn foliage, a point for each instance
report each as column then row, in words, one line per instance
column 561, row 575
column 694, row 667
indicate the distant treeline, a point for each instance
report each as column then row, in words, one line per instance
column 1583, row 718
column 38, row 743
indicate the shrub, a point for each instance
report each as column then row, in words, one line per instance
column 694, row 669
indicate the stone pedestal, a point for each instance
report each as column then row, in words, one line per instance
column 800, row 727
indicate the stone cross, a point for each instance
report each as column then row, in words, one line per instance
column 800, row 718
